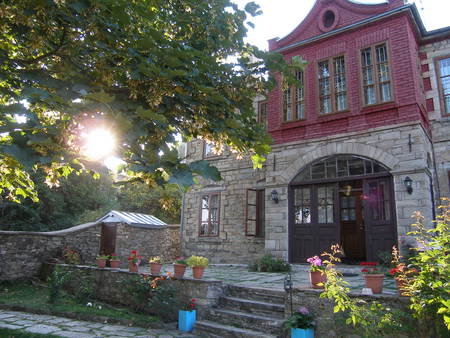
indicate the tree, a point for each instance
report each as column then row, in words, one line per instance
column 146, row 69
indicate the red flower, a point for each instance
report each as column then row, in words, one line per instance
column 364, row 270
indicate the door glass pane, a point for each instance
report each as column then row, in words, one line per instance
column 379, row 201
column 214, row 201
column 325, row 201
column 302, row 205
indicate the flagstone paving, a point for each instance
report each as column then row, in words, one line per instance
column 239, row 275
column 64, row 327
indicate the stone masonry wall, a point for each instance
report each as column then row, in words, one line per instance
column 440, row 123
column 22, row 253
column 405, row 149
column 163, row 242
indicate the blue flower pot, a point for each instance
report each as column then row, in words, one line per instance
column 302, row 333
column 186, row 320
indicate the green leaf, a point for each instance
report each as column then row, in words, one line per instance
column 205, row 169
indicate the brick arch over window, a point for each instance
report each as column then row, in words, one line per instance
column 336, row 149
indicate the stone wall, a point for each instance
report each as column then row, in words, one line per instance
column 22, row 253
column 404, row 148
column 164, row 242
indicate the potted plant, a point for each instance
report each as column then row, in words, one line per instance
column 101, row 261
column 133, row 261
column 373, row 275
column 114, row 261
column 198, row 264
column 155, row 265
column 179, row 267
column 187, row 316
column 402, row 275
column 317, row 272
column 301, row 323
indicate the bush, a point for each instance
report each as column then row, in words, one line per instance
column 269, row 263
column 164, row 302
column 197, row 261
column 56, row 282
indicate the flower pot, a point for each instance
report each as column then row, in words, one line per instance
column 302, row 333
column 115, row 263
column 155, row 268
column 178, row 270
column 197, row 272
column 316, row 277
column 401, row 286
column 101, row 263
column 374, row 282
column 186, row 320
column 133, row 267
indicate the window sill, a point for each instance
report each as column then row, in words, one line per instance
column 379, row 106
column 333, row 113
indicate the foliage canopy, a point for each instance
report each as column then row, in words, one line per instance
column 145, row 69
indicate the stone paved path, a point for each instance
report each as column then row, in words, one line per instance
column 65, row 327
column 239, row 275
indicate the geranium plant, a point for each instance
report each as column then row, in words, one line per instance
column 189, row 305
column 302, row 318
column 370, row 268
column 106, row 257
column 134, row 258
column 114, row 257
column 316, row 264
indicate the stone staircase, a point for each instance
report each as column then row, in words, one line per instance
column 245, row 312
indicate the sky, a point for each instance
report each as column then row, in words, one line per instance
column 280, row 17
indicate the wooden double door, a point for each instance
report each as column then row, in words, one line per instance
column 357, row 214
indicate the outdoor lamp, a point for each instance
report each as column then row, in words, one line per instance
column 408, row 184
column 288, row 283
column 274, row 196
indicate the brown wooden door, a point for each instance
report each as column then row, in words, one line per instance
column 313, row 219
column 352, row 233
column 379, row 217
column 108, row 239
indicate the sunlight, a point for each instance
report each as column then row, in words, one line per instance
column 98, row 144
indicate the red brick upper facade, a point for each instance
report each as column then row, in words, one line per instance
column 340, row 35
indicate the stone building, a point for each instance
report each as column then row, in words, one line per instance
column 360, row 144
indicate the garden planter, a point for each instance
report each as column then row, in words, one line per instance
column 302, row 333
column 186, row 320
column 197, row 272
column 178, row 270
column 133, row 267
column 374, row 282
column 401, row 287
column 316, row 277
column 115, row 264
column 155, row 268
column 101, row 263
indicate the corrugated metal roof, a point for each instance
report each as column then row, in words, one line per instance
column 132, row 218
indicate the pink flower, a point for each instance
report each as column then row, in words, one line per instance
column 303, row 310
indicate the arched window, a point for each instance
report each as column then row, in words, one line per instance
column 339, row 166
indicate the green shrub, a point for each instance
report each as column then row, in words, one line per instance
column 269, row 263
column 56, row 282
column 164, row 302
column 139, row 289
column 197, row 261
column 84, row 290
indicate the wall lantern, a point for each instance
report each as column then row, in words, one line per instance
column 274, row 196
column 408, row 184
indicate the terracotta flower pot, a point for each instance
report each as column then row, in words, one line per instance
column 316, row 277
column 374, row 282
column 401, row 286
column 133, row 267
column 155, row 268
column 101, row 263
column 178, row 270
column 197, row 272
column 115, row 264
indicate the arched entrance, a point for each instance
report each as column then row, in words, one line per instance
column 343, row 199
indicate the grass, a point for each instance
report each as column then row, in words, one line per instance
column 8, row 333
column 35, row 297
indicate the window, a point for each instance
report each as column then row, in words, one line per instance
column 375, row 75
column 294, row 100
column 262, row 113
column 444, row 83
column 332, row 86
column 208, row 149
column 209, row 218
column 255, row 213
column 302, row 205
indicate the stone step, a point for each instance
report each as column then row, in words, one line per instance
column 252, row 306
column 246, row 320
column 207, row 328
column 259, row 294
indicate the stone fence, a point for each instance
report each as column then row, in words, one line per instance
column 22, row 253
